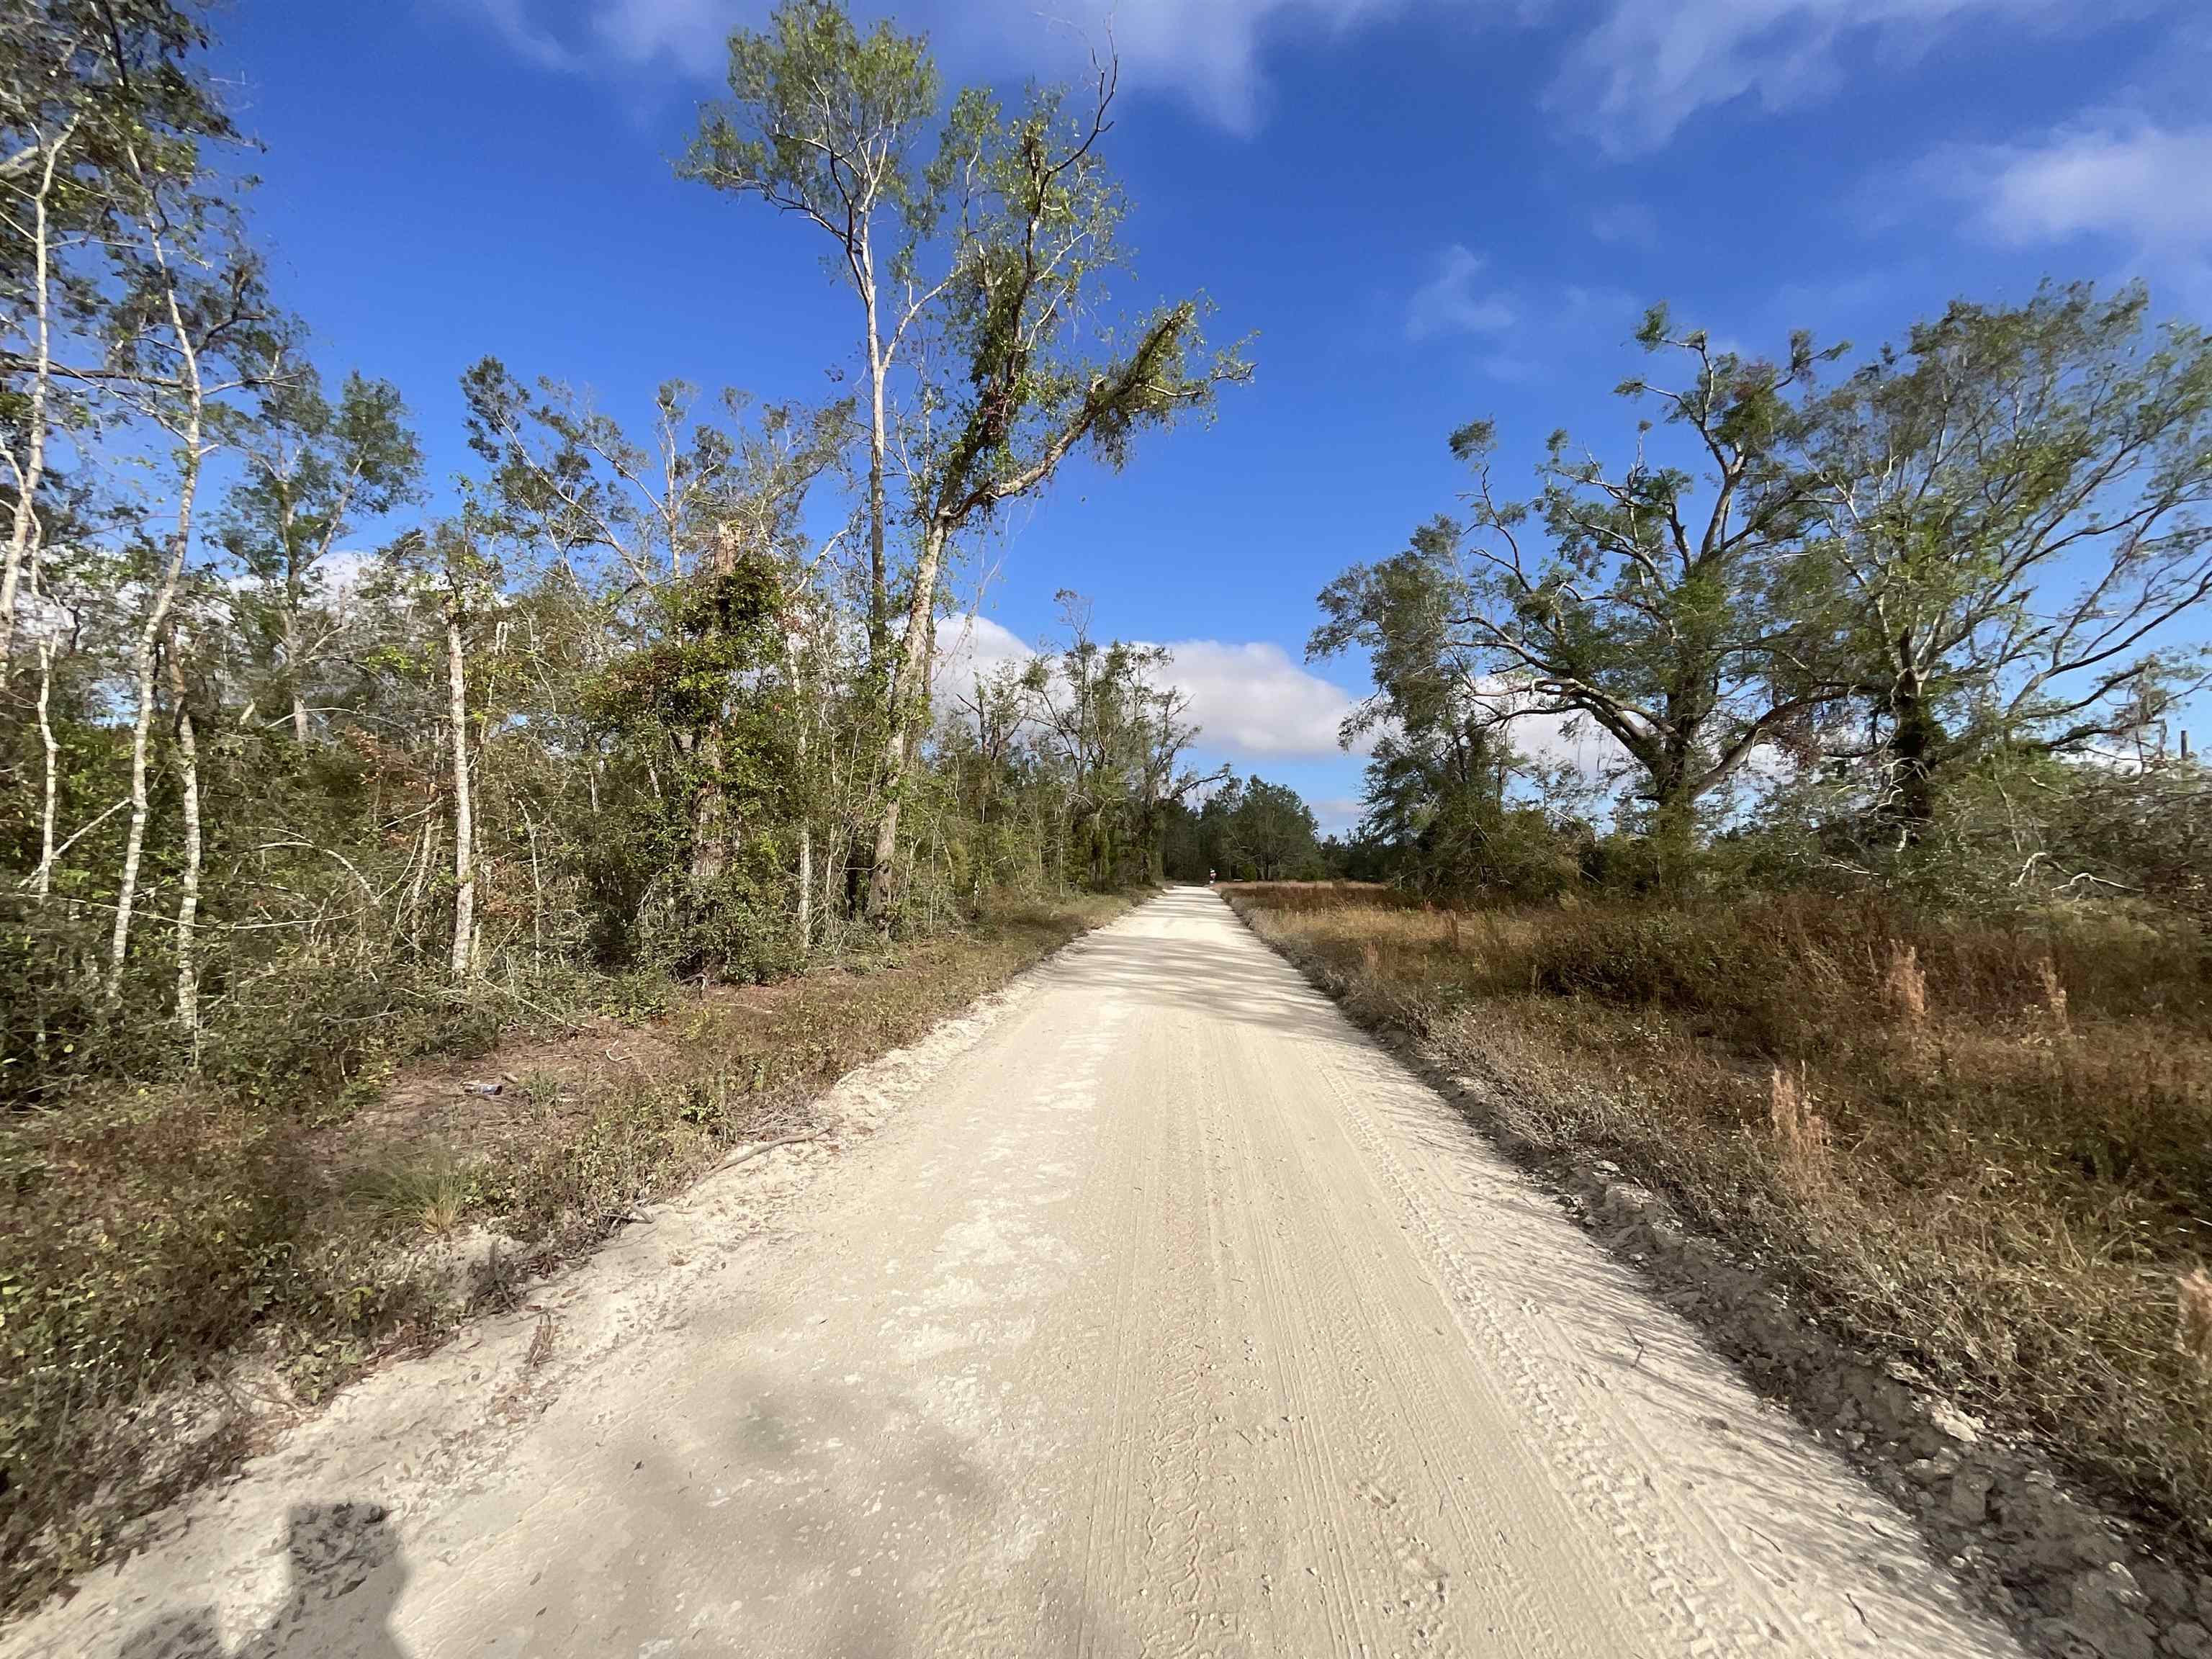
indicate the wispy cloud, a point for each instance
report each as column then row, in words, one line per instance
column 1450, row 301
column 1207, row 51
column 690, row 34
column 1648, row 66
column 519, row 28
column 1630, row 76
column 2116, row 176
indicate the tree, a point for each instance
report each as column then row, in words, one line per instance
column 1631, row 605
column 691, row 546
column 1033, row 253
column 2012, row 509
column 620, row 708
column 189, row 325
column 97, row 98
column 1271, row 832
column 311, row 469
column 831, row 125
column 998, row 248
column 455, row 564
column 1118, row 735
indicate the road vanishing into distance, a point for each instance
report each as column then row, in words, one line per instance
column 1157, row 1311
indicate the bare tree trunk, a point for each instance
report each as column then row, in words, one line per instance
column 188, row 901
column 834, row 857
column 879, row 452
column 42, row 881
column 805, row 888
column 805, row 804
column 157, row 618
column 420, row 874
column 465, row 881
column 710, row 825
column 134, row 844
column 908, row 692
column 31, row 472
column 292, row 660
column 537, row 892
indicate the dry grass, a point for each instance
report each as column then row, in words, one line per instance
column 1983, row 1147
column 150, row 1240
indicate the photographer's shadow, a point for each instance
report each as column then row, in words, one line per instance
column 347, row 1574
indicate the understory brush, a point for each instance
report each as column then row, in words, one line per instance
column 1983, row 1146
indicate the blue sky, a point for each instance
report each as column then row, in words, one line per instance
column 1426, row 213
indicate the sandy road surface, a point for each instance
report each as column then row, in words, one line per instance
column 1168, row 1316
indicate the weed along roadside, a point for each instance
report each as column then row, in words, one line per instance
column 1940, row 1184
column 186, row 1272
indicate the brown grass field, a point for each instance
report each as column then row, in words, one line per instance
column 1982, row 1147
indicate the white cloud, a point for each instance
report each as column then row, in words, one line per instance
column 2116, row 176
column 1250, row 700
column 1632, row 77
column 1338, row 815
column 1206, row 50
column 692, row 35
column 1255, row 701
column 1649, row 65
column 968, row 651
column 1450, row 302
column 515, row 23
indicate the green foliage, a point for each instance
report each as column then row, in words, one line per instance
column 1938, row 602
column 2013, row 520
column 822, row 120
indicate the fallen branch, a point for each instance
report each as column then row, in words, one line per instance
column 570, row 1026
column 768, row 1147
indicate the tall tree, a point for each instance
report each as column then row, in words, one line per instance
column 1116, row 729
column 1271, row 831
column 1626, row 599
column 189, row 326
column 977, row 270
column 1034, row 371
column 833, row 126
column 2015, row 515
column 311, row 470
column 96, row 98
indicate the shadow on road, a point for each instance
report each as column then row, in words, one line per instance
column 347, row 1573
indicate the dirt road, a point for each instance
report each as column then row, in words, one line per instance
column 1161, row 1314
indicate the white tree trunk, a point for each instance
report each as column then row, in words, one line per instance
column 141, row 726
column 157, row 618
column 879, row 460
column 292, row 669
column 464, row 880
column 805, row 888
column 800, row 707
column 909, row 692
column 30, row 472
column 42, row 881
column 188, row 901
